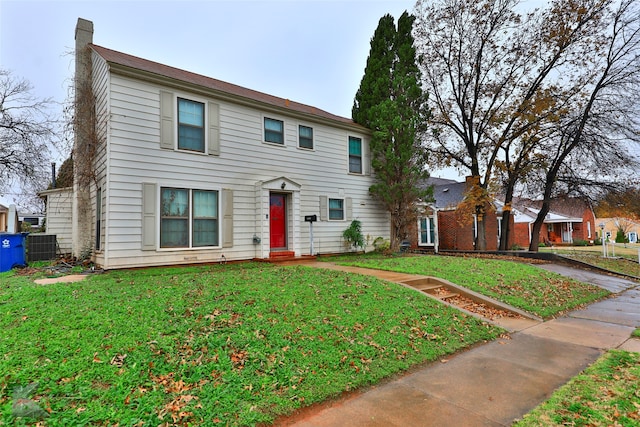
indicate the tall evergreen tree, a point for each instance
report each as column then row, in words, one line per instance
column 391, row 102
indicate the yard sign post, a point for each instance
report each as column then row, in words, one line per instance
column 311, row 219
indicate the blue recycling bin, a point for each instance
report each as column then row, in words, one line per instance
column 12, row 251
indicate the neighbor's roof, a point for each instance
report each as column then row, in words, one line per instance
column 561, row 209
column 134, row 62
column 450, row 195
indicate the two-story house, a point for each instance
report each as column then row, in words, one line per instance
column 188, row 169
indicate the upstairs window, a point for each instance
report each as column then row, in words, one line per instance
column 190, row 125
column 305, row 137
column 355, row 155
column 273, row 131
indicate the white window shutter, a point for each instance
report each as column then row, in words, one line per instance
column 348, row 208
column 324, row 208
column 167, row 108
column 227, row 218
column 214, row 129
column 148, row 217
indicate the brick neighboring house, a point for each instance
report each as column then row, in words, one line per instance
column 440, row 228
column 569, row 220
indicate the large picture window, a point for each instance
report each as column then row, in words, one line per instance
column 189, row 218
column 427, row 231
column 273, row 130
column 190, row 125
column 355, row 155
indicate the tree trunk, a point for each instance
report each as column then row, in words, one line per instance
column 481, row 239
column 537, row 226
column 505, row 231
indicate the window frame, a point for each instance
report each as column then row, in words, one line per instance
column 205, row 113
column 98, row 222
column 475, row 228
column 355, row 156
column 300, row 138
column 431, row 230
column 190, row 218
column 264, row 131
column 342, row 208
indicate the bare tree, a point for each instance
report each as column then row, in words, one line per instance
column 27, row 133
column 494, row 79
column 605, row 123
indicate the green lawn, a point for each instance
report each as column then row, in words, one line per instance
column 211, row 345
column 605, row 394
column 623, row 265
column 521, row 285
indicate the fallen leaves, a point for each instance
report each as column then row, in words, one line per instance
column 176, row 407
column 118, row 360
column 238, row 358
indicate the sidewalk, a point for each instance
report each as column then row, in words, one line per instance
column 496, row 383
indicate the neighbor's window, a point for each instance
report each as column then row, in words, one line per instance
column 336, row 209
column 305, row 137
column 427, row 231
column 273, row 130
column 190, row 125
column 475, row 226
column 189, row 218
column 355, row 155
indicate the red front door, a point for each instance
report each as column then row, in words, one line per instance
column 277, row 221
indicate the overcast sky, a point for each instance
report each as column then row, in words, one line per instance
column 313, row 52
column 309, row 51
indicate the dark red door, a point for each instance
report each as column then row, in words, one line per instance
column 277, row 222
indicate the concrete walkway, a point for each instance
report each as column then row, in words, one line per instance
column 496, row 383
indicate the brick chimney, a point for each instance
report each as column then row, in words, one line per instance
column 82, row 218
column 472, row 180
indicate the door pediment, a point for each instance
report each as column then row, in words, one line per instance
column 281, row 184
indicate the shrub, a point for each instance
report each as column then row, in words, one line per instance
column 381, row 245
column 353, row 235
column 620, row 237
column 580, row 242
